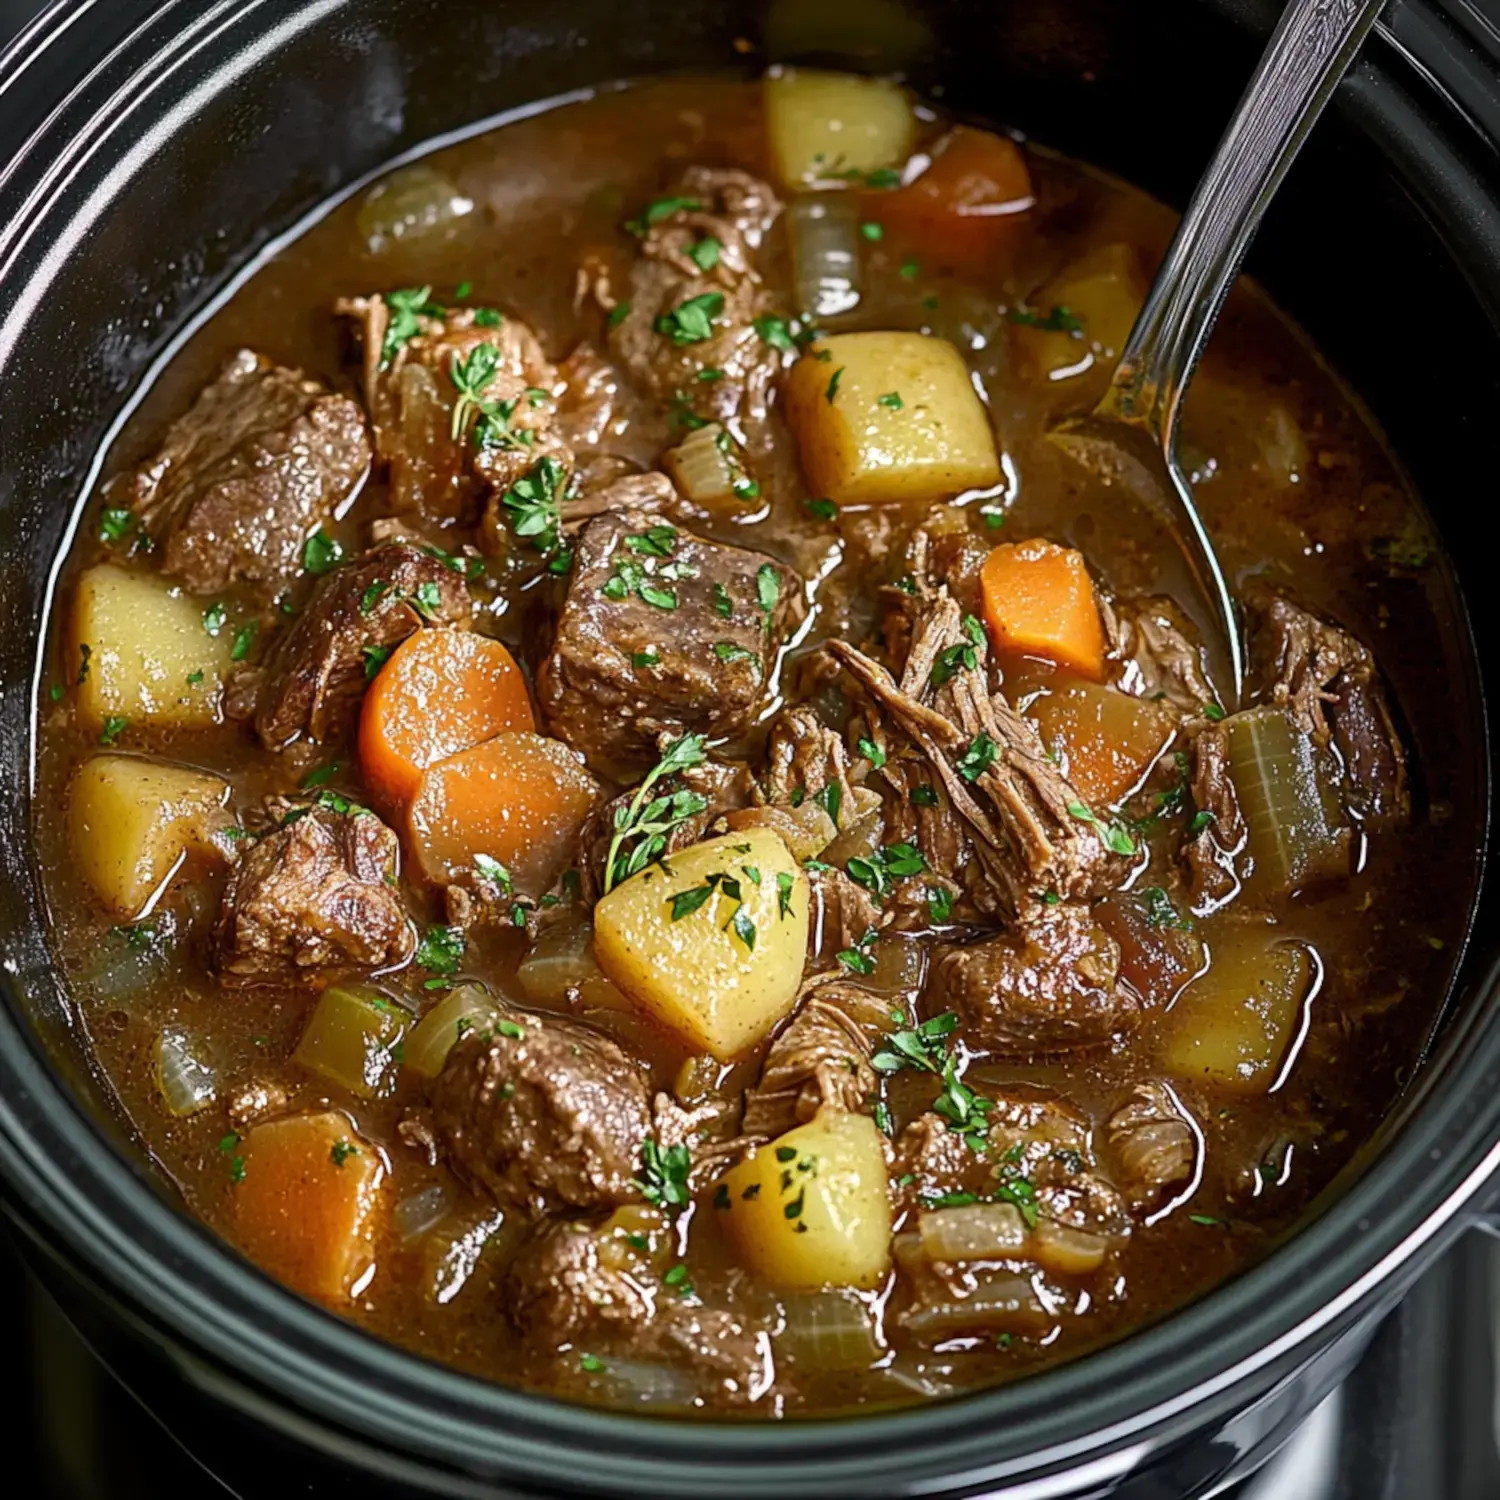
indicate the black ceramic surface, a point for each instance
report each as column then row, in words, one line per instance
column 168, row 144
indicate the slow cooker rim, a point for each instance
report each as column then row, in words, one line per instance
column 53, row 1149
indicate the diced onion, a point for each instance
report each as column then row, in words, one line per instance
column 561, row 967
column 829, row 1331
column 975, row 1231
column 187, row 1084
column 825, row 254
column 1291, row 824
column 410, row 204
column 999, row 1302
column 416, row 1214
column 432, row 1038
column 1282, row 445
column 1065, row 1250
column 706, row 466
column 640, row 1382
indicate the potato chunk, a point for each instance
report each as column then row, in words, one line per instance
column 811, row 1210
column 139, row 650
column 887, row 417
column 133, row 821
column 711, row 942
column 304, row 1202
column 1081, row 318
column 1232, row 1027
column 834, row 127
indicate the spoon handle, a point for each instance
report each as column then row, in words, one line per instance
column 1312, row 46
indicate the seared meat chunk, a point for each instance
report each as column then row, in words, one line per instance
column 842, row 913
column 1028, row 836
column 1050, row 986
column 681, row 319
column 442, row 462
column 552, row 1118
column 662, row 633
column 259, row 461
column 316, row 894
column 1210, row 853
column 820, row 1057
column 1152, row 1143
column 316, row 671
column 1329, row 684
column 589, row 1286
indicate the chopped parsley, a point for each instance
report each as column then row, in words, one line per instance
column 824, row 510
column 978, row 758
column 924, row 796
column 456, row 562
column 704, row 253
column 892, row 399
column 442, row 950
column 831, row 800
column 691, row 322
column 879, row 872
column 244, row 638
column 767, row 589
column 786, row 884
column 833, row 385
column 114, row 727
column 115, row 524
column 375, row 657
column 1200, row 821
column 939, row 904
column 321, row 553
column 777, row 332
column 617, row 315
column 490, row 868
column 1159, row 910
column 1113, row 836
column 427, row 600
column 910, row 268
column 723, row 604
column 858, row 959
column 1061, row 319
column 408, row 306
column 321, row 776
column 645, row 821
column 591, row 1364
column 965, row 655
column 872, row 753
column 872, row 231
column 659, row 209
column 664, row 1175
column 342, row 1151
column 642, row 659
column 214, row 617
column 729, row 651
column 1212, row 712
column 533, row 508
column 85, row 651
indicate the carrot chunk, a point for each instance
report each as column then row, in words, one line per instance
column 443, row 691
column 967, row 206
column 1039, row 601
column 519, row 799
column 304, row 1204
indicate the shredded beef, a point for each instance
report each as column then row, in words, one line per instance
column 411, row 395
column 841, row 914
column 553, row 1118
column 1152, row 1144
column 821, row 1057
column 1049, row 986
column 1329, row 684
column 625, row 670
column 1022, row 810
column 1156, row 655
column 316, row 894
column 259, row 461
column 314, row 675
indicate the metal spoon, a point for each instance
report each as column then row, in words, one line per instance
column 1130, row 438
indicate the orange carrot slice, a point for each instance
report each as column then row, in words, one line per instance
column 1039, row 601
column 441, row 692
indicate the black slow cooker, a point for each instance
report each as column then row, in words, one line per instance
column 159, row 147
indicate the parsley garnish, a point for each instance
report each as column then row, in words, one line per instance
column 243, row 639
column 532, row 504
column 442, row 950
column 490, row 868
column 471, row 375
column 939, row 904
column 833, row 385
column 375, row 658
column 978, row 758
column 723, row 604
column 115, row 524
column 1212, row 712
column 1200, row 821
column 858, row 959
column 1060, row 320
column 662, row 208
column 777, row 332
column 963, row 655
column 114, row 727
column 645, row 659
column 879, row 872
column 824, row 510
column 786, row 884
column 342, row 1151
column 214, row 617
column 767, row 589
column 924, row 796
column 705, row 253
column 664, row 1175
column 408, row 305
column 1114, row 837
column 729, row 651
column 1160, row 912
column 872, row 231
column 892, row 399
column 872, row 753
column 320, row 553
column 647, row 820
column 691, row 322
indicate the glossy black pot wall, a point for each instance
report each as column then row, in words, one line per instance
column 166, row 144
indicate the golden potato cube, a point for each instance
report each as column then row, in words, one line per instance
column 889, row 416
column 828, row 127
column 1232, row 1028
column 1081, row 319
column 812, row 1209
column 132, row 822
column 149, row 655
column 711, row 941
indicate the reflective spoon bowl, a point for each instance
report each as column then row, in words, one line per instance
column 1129, row 441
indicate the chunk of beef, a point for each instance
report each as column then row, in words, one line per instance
column 442, row 465
column 316, row 894
column 588, row 1286
column 1328, row 682
column 661, row 633
column 314, row 674
column 1028, row 837
column 1210, row 853
column 821, row 1057
column 841, row 913
column 941, row 553
column 1156, row 655
column 1049, row 986
column 1153, row 1144
column 664, row 354
column 553, row 1118
column 259, row 461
